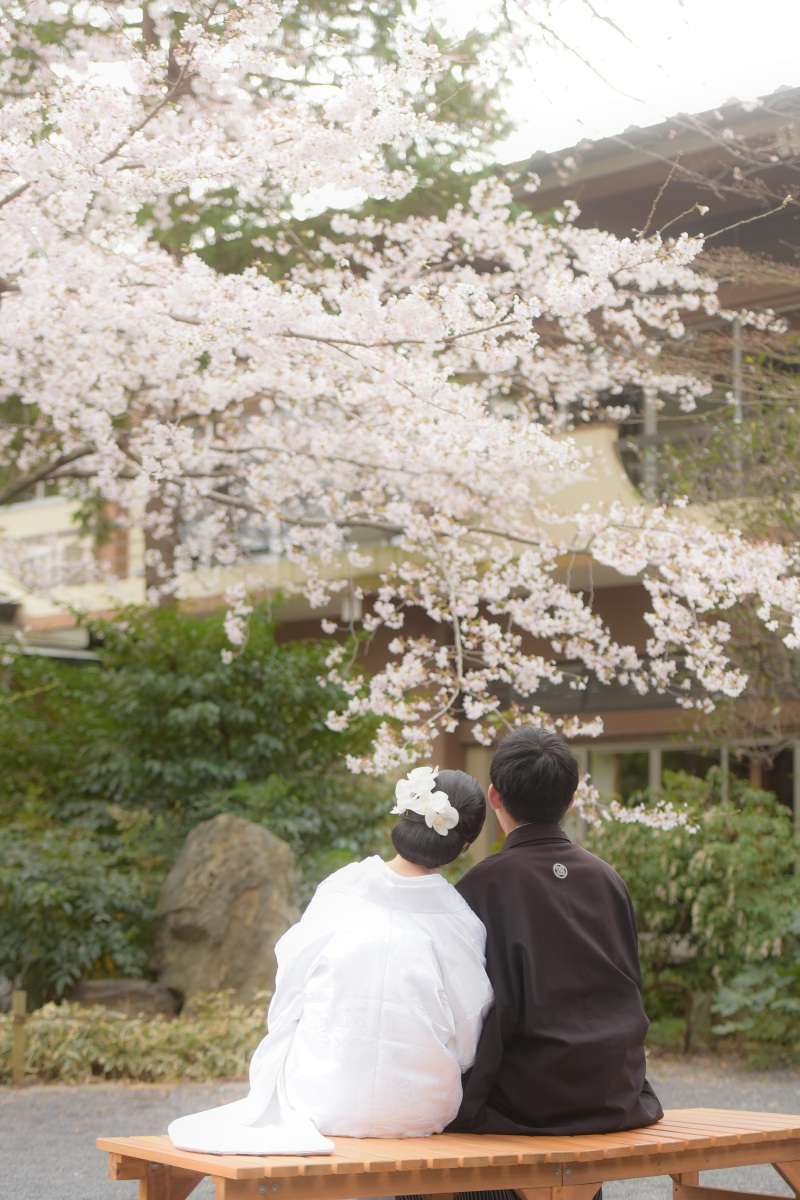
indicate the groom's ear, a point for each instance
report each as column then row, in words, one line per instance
column 494, row 798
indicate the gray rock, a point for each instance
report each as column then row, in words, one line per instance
column 131, row 997
column 223, row 906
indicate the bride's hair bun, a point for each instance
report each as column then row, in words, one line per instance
column 418, row 843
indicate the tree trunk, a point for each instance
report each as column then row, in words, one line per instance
column 699, row 1021
column 160, row 541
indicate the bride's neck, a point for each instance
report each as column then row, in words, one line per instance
column 401, row 866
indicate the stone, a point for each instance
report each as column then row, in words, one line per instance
column 130, row 997
column 223, row 906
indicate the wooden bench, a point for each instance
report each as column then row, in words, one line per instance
column 686, row 1142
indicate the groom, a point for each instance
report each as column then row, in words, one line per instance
column 562, row 1051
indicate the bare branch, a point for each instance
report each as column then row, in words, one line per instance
column 748, row 220
column 644, row 231
column 46, row 471
column 680, row 216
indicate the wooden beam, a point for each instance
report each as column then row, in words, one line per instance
column 717, row 1193
column 120, row 1167
column 668, row 1162
column 162, row 1182
column 183, row 1183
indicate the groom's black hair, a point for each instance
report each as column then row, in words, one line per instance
column 417, row 843
column 536, row 775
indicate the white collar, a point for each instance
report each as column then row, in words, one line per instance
column 374, row 880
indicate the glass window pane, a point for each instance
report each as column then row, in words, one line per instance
column 693, row 761
column 619, row 775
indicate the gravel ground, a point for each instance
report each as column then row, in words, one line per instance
column 47, row 1132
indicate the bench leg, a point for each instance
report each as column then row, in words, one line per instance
column 157, row 1181
column 681, row 1182
column 790, row 1173
column 162, row 1182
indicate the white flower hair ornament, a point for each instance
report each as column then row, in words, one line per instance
column 417, row 793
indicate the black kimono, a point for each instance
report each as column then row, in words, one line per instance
column 562, row 1051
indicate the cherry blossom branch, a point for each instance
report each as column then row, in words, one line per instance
column 391, row 343
column 457, row 643
column 364, row 429
column 505, row 535
column 325, row 340
column 359, row 343
column 307, row 522
column 165, row 99
column 23, row 187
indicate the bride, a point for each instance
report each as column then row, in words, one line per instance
column 380, row 995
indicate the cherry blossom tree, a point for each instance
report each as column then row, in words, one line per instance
column 407, row 380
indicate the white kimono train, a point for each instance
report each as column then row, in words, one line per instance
column 379, row 1002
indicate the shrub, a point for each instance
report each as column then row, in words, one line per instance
column 212, row 1039
column 69, row 908
column 763, row 1000
column 710, row 904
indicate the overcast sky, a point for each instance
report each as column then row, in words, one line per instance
column 670, row 56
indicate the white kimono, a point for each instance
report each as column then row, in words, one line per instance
column 379, row 1002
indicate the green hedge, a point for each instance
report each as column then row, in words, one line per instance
column 717, row 903
column 212, row 1039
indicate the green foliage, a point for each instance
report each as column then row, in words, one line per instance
column 106, row 768
column 51, row 715
column 163, row 721
column 211, row 1039
column 711, row 904
column 69, row 908
column 763, row 1000
column 749, row 467
column 187, row 723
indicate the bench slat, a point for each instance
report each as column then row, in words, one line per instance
column 232, row 1166
column 738, row 1118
